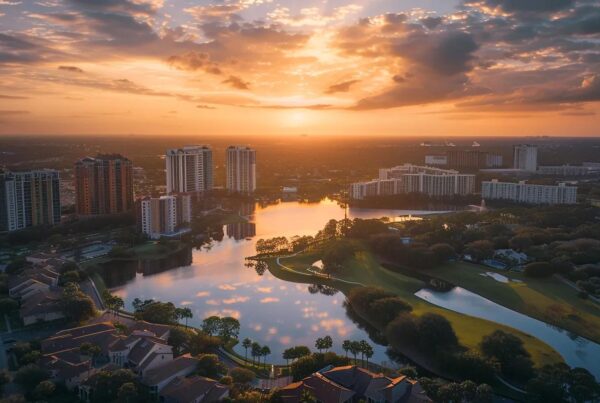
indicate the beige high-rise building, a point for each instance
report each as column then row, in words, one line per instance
column 189, row 169
column 241, row 169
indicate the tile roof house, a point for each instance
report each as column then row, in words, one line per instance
column 41, row 307
column 157, row 378
column 195, row 389
column 351, row 383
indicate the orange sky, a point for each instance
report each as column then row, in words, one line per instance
column 260, row 67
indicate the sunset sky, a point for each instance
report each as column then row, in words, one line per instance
column 282, row 67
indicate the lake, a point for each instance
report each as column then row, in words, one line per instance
column 273, row 312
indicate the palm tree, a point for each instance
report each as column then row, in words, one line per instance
column 255, row 351
column 364, row 346
column 354, row 349
column 246, row 343
column 265, row 351
column 327, row 343
column 319, row 344
column 186, row 313
column 346, row 346
column 368, row 353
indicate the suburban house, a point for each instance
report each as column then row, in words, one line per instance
column 351, row 384
column 194, row 389
column 158, row 378
column 36, row 288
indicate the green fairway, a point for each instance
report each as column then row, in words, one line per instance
column 548, row 299
column 364, row 269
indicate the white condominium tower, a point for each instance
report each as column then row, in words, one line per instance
column 165, row 215
column 525, row 157
column 189, row 169
column 241, row 169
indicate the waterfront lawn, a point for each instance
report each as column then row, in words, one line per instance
column 546, row 299
column 365, row 269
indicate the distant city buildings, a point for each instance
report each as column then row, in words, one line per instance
column 525, row 157
column 567, row 170
column 103, row 185
column 28, row 199
column 189, row 169
column 164, row 216
column 410, row 178
column 522, row 192
column 465, row 159
column 473, row 159
column 241, row 169
column 436, row 160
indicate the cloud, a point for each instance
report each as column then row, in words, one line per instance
column 13, row 112
column 341, row 87
column 237, row 82
column 205, row 107
column 227, row 287
column 15, row 97
column 522, row 6
column 269, row 300
column 72, row 69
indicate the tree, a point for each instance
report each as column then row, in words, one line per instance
column 75, row 304
column 247, row 343
column 480, row 250
column 355, row 349
column 382, row 311
column 178, row 338
column 209, row 366
column 288, row 354
column 44, row 390
column 229, row 328
column 211, row 325
column 336, row 255
column 69, row 277
column 184, row 313
column 346, row 346
column 484, row 393
column 255, row 351
column 559, row 383
column 8, row 306
column 435, row 330
column 29, row 376
column 127, row 393
column 265, row 351
column 508, row 350
column 241, row 375
column 200, row 343
column 157, row 312
column 367, row 350
column 91, row 350
column 327, row 342
column 442, row 252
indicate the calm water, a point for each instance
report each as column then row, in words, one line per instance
column 271, row 311
column 577, row 351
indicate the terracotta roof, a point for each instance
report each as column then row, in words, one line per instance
column 320, row 387
column 160, row 331
column 41, row 303
column 192, row 389
column 170, row 369
column 142, row 348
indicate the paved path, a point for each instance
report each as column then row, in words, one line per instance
column 88, row 287
column 324, row 277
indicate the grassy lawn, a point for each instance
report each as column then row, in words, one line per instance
column 548, row 299
column 364, row 269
